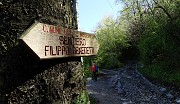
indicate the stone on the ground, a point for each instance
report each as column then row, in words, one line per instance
column 130, row 89
column 119, row 88
column 162, row 89
column 178, row 100
column 170, row 96
column 114, row 80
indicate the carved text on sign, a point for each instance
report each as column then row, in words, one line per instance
column 62, row 50
column 55, row 41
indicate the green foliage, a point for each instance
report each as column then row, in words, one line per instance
column 112, row 40
column 83, row 98
column 150, row 48
column 87, row 62
column 161, row 73
column 153, row 26
column 159, row 40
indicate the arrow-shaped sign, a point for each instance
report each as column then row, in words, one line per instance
column 49, row 41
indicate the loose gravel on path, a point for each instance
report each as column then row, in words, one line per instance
column 128, row 87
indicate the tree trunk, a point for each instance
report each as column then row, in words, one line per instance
column 23, row 79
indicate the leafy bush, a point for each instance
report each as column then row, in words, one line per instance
column 154, row 26
column 112, row 40
column 159, row 72
column 83, row 98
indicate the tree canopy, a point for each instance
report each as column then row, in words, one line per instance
column 112, row 40
column 152, row 27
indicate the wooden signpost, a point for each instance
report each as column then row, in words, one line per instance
column 49, row 41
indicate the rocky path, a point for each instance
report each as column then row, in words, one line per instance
column 128, row 87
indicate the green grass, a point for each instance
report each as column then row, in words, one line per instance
column 160, row 73
column 82, row 98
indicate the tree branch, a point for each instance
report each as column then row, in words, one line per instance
column 165, row 12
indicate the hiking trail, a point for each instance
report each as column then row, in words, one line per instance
column 128, row 86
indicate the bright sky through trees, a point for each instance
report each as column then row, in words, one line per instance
column 93, row 11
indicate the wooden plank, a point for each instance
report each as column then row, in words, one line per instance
column 49, row 41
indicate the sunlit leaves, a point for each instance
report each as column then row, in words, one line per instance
column 153, row 25
column 112, row 39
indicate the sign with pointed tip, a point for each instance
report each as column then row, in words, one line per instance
column 49, row 41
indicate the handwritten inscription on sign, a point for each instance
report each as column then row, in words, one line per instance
column 49, row 41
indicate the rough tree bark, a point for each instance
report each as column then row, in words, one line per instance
column 23, row 79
